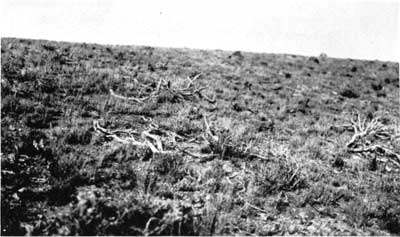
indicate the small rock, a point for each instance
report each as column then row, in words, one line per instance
column 373, row 165
column 266, row 126
column 15, row 196
column 381, row 94
column 276, row 87
column 272, row 229
column 338, row 163
column 311, row 229
column 292, row 229
column 314, row 59
column 349, row 93
column 376, row 86
column 227, row 168
column 22, row 190
column 248, row 85
column 237, row 107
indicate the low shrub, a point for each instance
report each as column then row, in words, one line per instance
column 97, row 212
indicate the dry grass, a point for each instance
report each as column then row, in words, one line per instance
column 99, row 140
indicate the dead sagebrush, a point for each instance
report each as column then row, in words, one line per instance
column 154, row 138
column 372, row 137
column 179, row 90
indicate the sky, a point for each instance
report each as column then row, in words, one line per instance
column 356, row 29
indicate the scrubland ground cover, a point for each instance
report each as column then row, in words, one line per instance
column 118, row 140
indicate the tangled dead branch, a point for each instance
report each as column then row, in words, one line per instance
column 152, row 141
column 153, row 94
column 364, row 129
column 129, row 139
column 181, row 93
column 368, row 133
column 161, row 141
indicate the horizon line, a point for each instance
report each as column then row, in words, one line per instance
column 198, row 48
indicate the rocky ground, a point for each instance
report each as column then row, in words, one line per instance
column 125, row 140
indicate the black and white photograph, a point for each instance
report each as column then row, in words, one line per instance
column 200, row 118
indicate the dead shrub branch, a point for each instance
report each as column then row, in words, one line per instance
column 149, row 140
column 181, row 93
column 369, row 137
column 161, row 141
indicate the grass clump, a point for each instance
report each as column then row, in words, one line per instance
column 126, row 213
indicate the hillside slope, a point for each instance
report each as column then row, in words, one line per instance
column 124, row 140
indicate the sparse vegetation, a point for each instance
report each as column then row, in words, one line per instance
column 124, row 140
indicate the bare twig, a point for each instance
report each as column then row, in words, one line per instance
column 138, row 100
column 208, row 130
column 146, row 135
column 203, row 157
column 257, row 208
column 126, row 140
column 147, row 231
column 253, row 155
column 211, row 100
